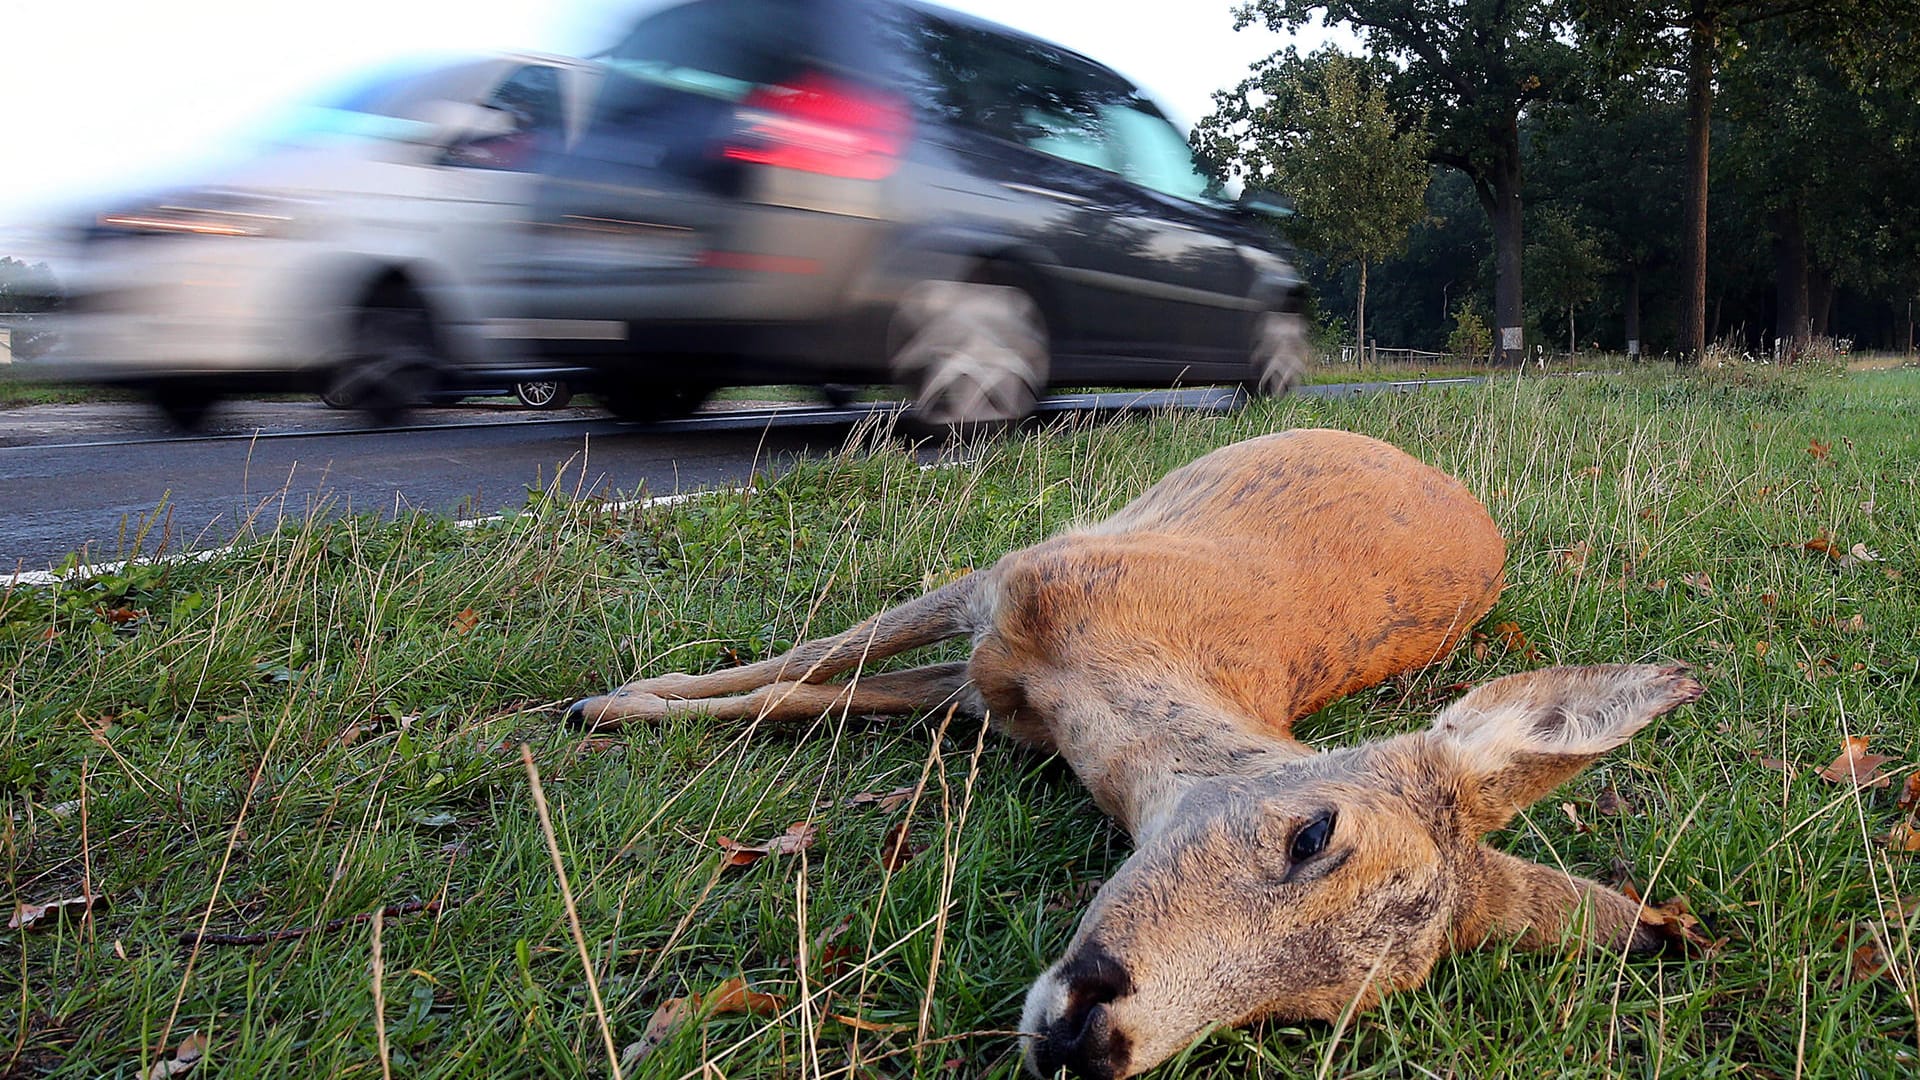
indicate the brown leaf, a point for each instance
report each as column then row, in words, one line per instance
column 1819, row 449
column 1822, row 545
column 1868, row 941
column 799, row 836
column 731, row 996
column 1699, row 583
column 48, row 915
column 1574, row 559
column 1909, row 792
column 891, row 800
column 464, row 622
column 1856, row 766
column 1573, row 815
column 1904, row 837
column 867, row 1025
column 185, row 1056
column 898, row 849
column 1515, row 641
column 1610, row 803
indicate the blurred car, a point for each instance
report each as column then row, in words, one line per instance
column 861, row 191
column 347, row 257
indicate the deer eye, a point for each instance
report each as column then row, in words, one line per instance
column 1312, row 838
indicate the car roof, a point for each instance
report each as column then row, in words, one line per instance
column 961, row 18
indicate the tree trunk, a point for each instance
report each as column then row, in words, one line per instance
column 1500, row 197
column 1573, row 343
column 1791, row 323
column 1360, row 313
column 1633, row 313
column 1819, row 298
column 1693, row 312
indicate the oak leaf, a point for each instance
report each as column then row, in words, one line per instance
column 890, row 800
column 731, row 996
column 1856, row 766
column 799, row 836
column 1819, row 449
column 47, row 915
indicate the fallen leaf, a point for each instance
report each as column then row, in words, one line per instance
column 1699, row 583
column 732, row 996
column 1856, row 766
column 1769, row 599
column 1515, row 641
column 1819, row 449
column 1909, row 792
column 867, row 1025
column 466, row 621
column 898, row 849
column 185, row 1056
column 1822, row 545
column 46, row 916
column 799, row 836
column 1857, row 554
column 1573, row 560
column 1772, row 763
column 891, row 800
column 1610, row 803
column 1904, row 837
column 1573, row 815
column 1760, row 649
column 1867, row 957
column 1590, row 471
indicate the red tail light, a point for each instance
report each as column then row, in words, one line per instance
column 821, row 125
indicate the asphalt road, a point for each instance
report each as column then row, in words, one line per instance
column 99, row 478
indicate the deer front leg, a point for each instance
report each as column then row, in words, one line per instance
column 936, row 616
column 921, row 689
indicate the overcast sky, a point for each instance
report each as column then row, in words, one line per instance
column 103, row 95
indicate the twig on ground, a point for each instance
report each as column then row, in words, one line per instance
column 264, row 937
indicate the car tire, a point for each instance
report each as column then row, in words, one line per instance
column 650, row 404
column 1278, row 356
column 391, row 366
column 543, row 394
column 970, row 354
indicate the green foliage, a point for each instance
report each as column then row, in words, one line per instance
column 1470, row 337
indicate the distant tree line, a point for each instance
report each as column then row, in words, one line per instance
column 1659, row 174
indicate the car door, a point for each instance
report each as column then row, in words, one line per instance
column 1178, row 289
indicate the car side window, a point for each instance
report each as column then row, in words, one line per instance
column 1013, row 89
column 1152, row 153
column 528, row 102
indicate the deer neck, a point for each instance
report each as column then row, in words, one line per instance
column 1138, row 755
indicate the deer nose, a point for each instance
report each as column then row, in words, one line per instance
column 1085, row 1042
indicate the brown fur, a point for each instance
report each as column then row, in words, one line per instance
column 1165, row 653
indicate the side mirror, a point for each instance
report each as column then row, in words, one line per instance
column 1265, row 203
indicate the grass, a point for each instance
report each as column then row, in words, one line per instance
column 328, row 719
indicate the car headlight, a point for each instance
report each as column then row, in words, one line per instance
column 204, row 213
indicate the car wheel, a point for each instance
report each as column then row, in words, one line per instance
column 391, row 365
column 1279, row 353
column 543, row 394
column 647, row 404
column 970, row 353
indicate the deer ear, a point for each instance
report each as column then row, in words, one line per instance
column 1515, row 739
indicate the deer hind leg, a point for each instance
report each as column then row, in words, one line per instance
column 943, row 613
column 893, row 693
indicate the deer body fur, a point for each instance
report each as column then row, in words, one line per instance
column 1165, row 653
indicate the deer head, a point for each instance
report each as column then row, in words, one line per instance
column 1313, row 885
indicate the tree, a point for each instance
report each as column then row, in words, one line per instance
column 1635, row 33
column 1357, row 180
column 1565, row 265
column 1469, row 69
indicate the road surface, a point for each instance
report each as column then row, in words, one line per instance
column 100, row 479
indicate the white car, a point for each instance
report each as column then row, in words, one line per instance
column 357, row 255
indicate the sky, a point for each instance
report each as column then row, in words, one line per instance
column 114, row 95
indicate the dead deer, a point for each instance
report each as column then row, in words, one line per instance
column 1165, row 653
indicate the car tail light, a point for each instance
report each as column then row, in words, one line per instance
column 821, row 125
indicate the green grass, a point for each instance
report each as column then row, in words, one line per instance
column 326, row 720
